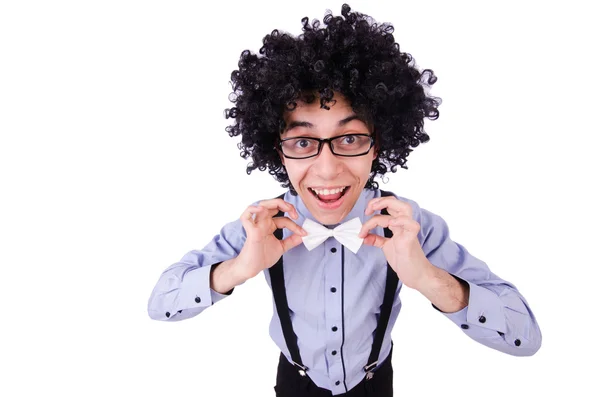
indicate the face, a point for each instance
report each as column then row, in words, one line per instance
column 327, row 171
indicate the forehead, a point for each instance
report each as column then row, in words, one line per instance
column 314, row 110
column 310, row 118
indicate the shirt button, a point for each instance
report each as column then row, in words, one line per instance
column 334, row 352
column 167, row 314
column 333, row 289
column 334, row 329
column 333, row 250
column 197, row 299
column 482, row 319
column 337, row 383
column 464, row 326
column 517, row 342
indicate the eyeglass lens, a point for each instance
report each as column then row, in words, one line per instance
column 345, row 145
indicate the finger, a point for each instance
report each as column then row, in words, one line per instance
column 282, row 222
column 269, row 213
column 394, row 206
column 370, row 204
column 395, row 224
column 376, row 220
column 405, row 224
column 375, row 240
column 248, row 217
column 250, row 212
column 276, row 205
column 291, row 241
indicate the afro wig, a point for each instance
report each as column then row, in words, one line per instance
column 351, row 55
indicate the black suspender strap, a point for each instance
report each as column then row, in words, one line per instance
column 281, row 303
column 391, row 283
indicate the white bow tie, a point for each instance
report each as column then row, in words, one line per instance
column 346, row 234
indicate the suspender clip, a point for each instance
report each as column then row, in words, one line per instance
column 368, row 368
column 302, row 370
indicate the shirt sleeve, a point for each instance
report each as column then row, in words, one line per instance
column 497, row 314
column 183, row 289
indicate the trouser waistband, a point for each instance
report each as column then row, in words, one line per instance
column 290, row 383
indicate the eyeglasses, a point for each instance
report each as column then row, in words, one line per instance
column 350, row 145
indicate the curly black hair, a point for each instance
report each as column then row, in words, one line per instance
column 351, row 55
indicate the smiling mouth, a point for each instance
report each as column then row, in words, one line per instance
column 329, row 198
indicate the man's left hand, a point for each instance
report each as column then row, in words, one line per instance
column 403, row 250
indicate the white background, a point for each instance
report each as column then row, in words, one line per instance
column 114, row 162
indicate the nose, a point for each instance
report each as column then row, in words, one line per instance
column 327, row 164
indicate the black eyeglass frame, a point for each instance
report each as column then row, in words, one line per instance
column 328, row 140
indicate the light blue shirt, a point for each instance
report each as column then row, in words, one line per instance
column 345, row 320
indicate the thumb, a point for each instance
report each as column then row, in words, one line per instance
column 290, row 242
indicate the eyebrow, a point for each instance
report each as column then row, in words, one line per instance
column 306, row 124
column 295, row 124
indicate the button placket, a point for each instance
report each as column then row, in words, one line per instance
column 333, row 309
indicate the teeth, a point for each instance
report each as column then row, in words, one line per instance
column 327, row 191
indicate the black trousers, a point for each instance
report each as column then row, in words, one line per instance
column 290, row 383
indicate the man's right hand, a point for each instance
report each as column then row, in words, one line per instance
column 262, row 249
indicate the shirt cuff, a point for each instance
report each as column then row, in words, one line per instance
column 484, row 309
column 197, row 291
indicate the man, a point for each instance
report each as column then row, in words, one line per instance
column 326, row 112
